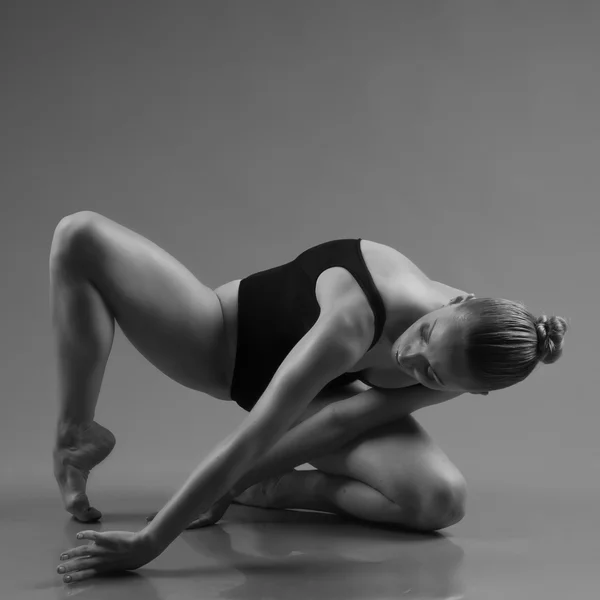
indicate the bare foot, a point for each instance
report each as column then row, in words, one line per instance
column 75, row 455
column 262, row 494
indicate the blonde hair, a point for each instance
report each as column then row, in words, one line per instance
column 504, row 341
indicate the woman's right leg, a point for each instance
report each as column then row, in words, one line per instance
column 100, row 272
column 394, row 473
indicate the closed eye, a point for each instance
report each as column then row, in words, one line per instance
column 428, row 371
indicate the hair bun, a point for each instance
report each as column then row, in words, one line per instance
column 550, row 332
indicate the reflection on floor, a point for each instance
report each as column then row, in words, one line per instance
column 518, row 544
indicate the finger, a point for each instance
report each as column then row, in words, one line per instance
column 200, row 524
column 81, row 575
column 88, row 550
column 79, row 564
column 195, row 524
column 97, row 537
column 203, row 521
column 88, row 535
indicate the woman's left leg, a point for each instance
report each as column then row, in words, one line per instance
column 316, row 490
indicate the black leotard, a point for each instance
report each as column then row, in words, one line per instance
column 276, row 308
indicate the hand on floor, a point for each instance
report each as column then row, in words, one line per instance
column 109, row 551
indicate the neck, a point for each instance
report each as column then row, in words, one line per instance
column 422, row 298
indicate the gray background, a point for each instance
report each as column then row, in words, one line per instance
column 237, row 134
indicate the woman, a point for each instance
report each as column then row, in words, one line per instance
column 288, row 345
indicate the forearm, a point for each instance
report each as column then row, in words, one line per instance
column 316, row 436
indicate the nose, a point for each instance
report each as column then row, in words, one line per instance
column 405, row 362
column 409, row 362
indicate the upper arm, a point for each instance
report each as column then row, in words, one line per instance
column 332, row 346
column 378, row 406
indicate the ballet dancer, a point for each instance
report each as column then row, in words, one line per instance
column 330, row 354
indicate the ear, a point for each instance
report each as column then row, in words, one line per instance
column 460, row 299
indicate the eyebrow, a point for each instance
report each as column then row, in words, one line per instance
column 428, row 340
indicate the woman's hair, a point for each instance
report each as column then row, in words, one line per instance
column 504, row 341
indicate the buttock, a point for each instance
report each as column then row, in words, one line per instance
column 228, row 297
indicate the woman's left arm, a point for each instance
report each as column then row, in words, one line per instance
column 330, row 347
column 327, row 350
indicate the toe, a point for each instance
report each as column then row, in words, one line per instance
column 84, row 517
column 80, row 508
column 92, row 514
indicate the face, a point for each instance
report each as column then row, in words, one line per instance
column 432, row 351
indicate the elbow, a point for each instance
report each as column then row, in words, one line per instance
column 336, row 417
column 339, row 425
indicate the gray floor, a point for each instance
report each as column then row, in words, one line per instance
column 513, row 543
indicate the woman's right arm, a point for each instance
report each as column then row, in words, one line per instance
column 318, row 435
column 338, row 423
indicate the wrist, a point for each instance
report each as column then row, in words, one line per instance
column 148, row 537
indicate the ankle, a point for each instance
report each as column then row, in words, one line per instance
column 69, row 433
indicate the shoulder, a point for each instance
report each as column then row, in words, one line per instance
column 339, row 293
column 391, row 271
column 406, row 290
column 389, row 262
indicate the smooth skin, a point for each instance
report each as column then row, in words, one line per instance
column 102, row 272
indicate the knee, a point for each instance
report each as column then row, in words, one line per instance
column 442, row 503
column 70, row 235
column 433, row 504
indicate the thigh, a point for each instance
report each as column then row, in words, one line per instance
column 170, row 317
column 394, row 457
